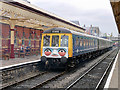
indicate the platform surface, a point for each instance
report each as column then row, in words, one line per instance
column 18, row 61
column 113, row 81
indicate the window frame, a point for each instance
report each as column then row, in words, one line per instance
column 52, row 40
column 67, row 40
column 49, row 40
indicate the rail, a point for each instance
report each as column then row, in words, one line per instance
column 89, row 70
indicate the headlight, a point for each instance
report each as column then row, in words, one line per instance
column 47, row 52
column 62, row 52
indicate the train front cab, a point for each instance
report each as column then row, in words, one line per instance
column 56, row 48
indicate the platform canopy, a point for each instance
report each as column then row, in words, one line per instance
column 116, row 10
column 21, row 13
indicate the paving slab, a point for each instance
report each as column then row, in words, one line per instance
column 10, row 62
column 113, row 81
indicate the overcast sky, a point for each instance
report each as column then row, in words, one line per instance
column 89, row 12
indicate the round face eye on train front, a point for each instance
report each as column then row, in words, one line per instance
column 47, row 52
column 62, row 52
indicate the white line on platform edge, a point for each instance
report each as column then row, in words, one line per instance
column 111, row 73
column 19, row 64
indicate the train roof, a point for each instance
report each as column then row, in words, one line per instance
column 87, row 35
column 64, row 30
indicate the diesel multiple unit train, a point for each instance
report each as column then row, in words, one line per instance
column 62, row 47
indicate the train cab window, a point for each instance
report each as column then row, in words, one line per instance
column 46, row 40
column 64, row 41
column 55, row 41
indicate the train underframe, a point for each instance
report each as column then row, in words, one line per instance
column 62, row 63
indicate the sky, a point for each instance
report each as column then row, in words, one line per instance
column 97, row 13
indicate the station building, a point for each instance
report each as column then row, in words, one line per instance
column 95, row 31
column 21, row 26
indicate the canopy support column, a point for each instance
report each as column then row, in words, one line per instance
column 12, row 26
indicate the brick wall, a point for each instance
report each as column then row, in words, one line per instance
column 5, row 36
column 23, row 35
column 27, row 35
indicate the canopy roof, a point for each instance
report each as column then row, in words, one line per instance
column 26, row 14
column 116, row 10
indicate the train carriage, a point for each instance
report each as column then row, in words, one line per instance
column 60, row 46
column 83, row 43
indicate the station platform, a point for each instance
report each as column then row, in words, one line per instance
column 18, row 61
column 113, row 80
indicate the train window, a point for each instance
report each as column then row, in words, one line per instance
column 46, row 41
column 90, row 42
column 64, row 41
column 93, row 42
column 87, row 41
column 81, row 42
column 55, row 40
column 84, row 42
column 77, row 41
column 96, row 42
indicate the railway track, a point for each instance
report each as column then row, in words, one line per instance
column 47, row 80
column 93, row 77
column 90, row 79
column 36, row 82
